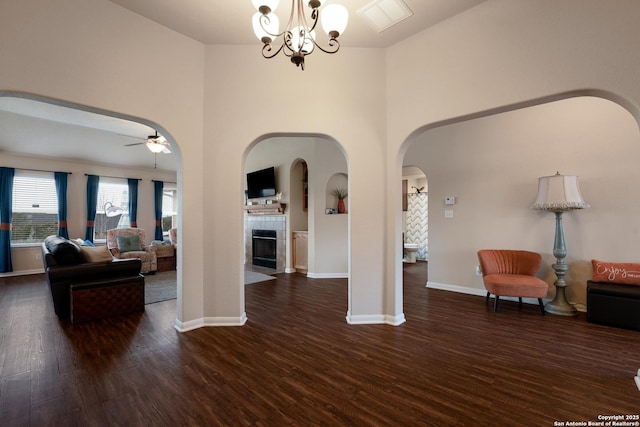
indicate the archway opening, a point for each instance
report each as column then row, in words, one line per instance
column 488, row 166
column 303, row 166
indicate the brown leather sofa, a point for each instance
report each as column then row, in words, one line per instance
column 85, row 289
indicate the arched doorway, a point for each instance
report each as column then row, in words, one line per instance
column 303, row 166
column 48, row 134
column 489, row 167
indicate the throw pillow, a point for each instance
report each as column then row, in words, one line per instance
column 612, row 272
column 128, row 243
column 96, row 254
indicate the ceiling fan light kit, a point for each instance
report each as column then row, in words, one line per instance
column 298, row 36
column 155, row 147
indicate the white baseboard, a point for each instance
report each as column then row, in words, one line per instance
column 289, row 270
column 328, row 275
column 23, row 272
column 375, row 319
column 483, row 292
column 210, row 321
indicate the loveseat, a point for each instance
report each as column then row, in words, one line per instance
column 87, row 283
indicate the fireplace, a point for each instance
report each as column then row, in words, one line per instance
column 264, row 245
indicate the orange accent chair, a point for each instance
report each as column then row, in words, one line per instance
column 512, row 273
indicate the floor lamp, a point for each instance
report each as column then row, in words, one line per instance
column 559, row 194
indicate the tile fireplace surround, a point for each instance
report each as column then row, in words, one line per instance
column 266, row 222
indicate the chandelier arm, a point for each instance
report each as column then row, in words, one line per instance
column 267, row 48
column 332, row 43
column 264, row 22
column 314, row 17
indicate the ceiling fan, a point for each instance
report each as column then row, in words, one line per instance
column 155, row 143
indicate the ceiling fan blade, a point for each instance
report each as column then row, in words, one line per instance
column 135, row 143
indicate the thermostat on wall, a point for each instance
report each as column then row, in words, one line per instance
column 450, row 200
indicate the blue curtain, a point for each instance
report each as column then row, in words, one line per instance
column 157, row 197
column 6, row 208
column 92, row 201
column 133, row 202
column 61, row 192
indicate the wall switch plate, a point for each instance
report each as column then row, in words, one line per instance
column 478, row 271
column 448, row 213
column 450, row 200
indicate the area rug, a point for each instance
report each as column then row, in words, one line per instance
column 162, row 286
column 251, row 277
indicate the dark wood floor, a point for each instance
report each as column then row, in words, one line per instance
column 296, row 362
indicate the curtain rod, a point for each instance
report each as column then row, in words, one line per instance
column 166, row 182
column 116, row 177
column 41, row 170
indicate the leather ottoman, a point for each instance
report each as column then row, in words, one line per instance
column 613, row 304
column 97, row 300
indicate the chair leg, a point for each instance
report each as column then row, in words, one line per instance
column 541, row 306
column 495, row 304
column 487, row 298
column 520, row 301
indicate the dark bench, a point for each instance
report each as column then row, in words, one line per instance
column 613, row 304
column 91, row 300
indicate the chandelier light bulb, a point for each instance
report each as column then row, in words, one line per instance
column 334, row 19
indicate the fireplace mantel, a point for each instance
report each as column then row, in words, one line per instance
column 265, row 209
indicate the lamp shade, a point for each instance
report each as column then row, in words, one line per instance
column 559, row 193
column 334, row 18
column 265, row 27
column 155, row 147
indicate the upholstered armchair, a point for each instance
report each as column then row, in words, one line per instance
column 512, row 273
column 126, row 243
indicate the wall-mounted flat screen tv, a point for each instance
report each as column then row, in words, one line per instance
column 261, row 183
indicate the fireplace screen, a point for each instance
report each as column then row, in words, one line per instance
column 264, row 248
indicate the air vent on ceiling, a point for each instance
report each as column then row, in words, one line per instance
column 383, row 14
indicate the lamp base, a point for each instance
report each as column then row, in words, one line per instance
column 560, row 306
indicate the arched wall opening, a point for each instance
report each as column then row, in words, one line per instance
column 293, row 155
column 490, row 163
column 109, row 130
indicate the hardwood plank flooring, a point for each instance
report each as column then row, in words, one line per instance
column 296, row 362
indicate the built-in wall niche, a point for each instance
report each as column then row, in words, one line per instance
column 338, row 181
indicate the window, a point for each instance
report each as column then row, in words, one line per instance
column 169, row 209
column 35, row 207
column 112, row 209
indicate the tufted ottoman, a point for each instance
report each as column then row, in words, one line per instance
column 613, row 304
column 98, row 300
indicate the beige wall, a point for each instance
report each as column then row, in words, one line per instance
column 97, row 54
column 217, row 101
column 332, row 97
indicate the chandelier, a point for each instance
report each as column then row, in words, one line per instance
column 299, row 36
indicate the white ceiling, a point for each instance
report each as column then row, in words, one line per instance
column 31, row 127
column 229, row 21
